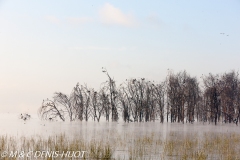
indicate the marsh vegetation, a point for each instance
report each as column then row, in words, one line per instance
column 210, row 145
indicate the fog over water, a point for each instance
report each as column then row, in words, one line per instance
column 12, row 125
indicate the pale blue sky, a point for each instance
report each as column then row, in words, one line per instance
column 48, row 46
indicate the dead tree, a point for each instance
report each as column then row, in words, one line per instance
column 175, row 93
column 212, row 97
column 182, row 96
column 87, row 107
column 125, row 103
column 49, row 111
column 63, row 101
column 159, row 94
column 94, row 103
column 192, row 97
column 105, row 103
column 150, row 101
column 77, row 101
column 229, row 94
column 133, row 98
column 96, row 106
column 141, row 90
column 100, row 108
column 112, row 91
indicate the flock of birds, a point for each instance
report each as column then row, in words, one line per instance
column 25, row 116
column 224, row 33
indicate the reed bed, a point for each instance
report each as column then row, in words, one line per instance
column 132, row 146
column 92, row 149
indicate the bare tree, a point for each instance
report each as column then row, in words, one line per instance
column 212, row 96
column 87, row 98
column 229, row 94
column 100, row 108
column 134, row 98
column 183, row 95
column 96, row 105
column 63, row 101
column 175, row 93
column 125, row 103
column 105, row 103
column 77, row 101
column 159, row 94
column 192, row 97
column 112, row 91
column 49, row 111
column 150, row 101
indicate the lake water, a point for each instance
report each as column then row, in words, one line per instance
column 11, row 125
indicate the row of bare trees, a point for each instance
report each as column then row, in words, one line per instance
column 183, row 96
column 83, row 103
column 177, row 99
column 221, row 98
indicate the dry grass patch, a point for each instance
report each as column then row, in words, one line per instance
column 146, row 146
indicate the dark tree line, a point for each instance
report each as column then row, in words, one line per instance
column 177, row 99
column 183, row 95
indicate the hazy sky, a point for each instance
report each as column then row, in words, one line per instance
column 48, row 46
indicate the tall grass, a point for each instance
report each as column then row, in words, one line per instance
column 94, row 149
column 132, row 146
